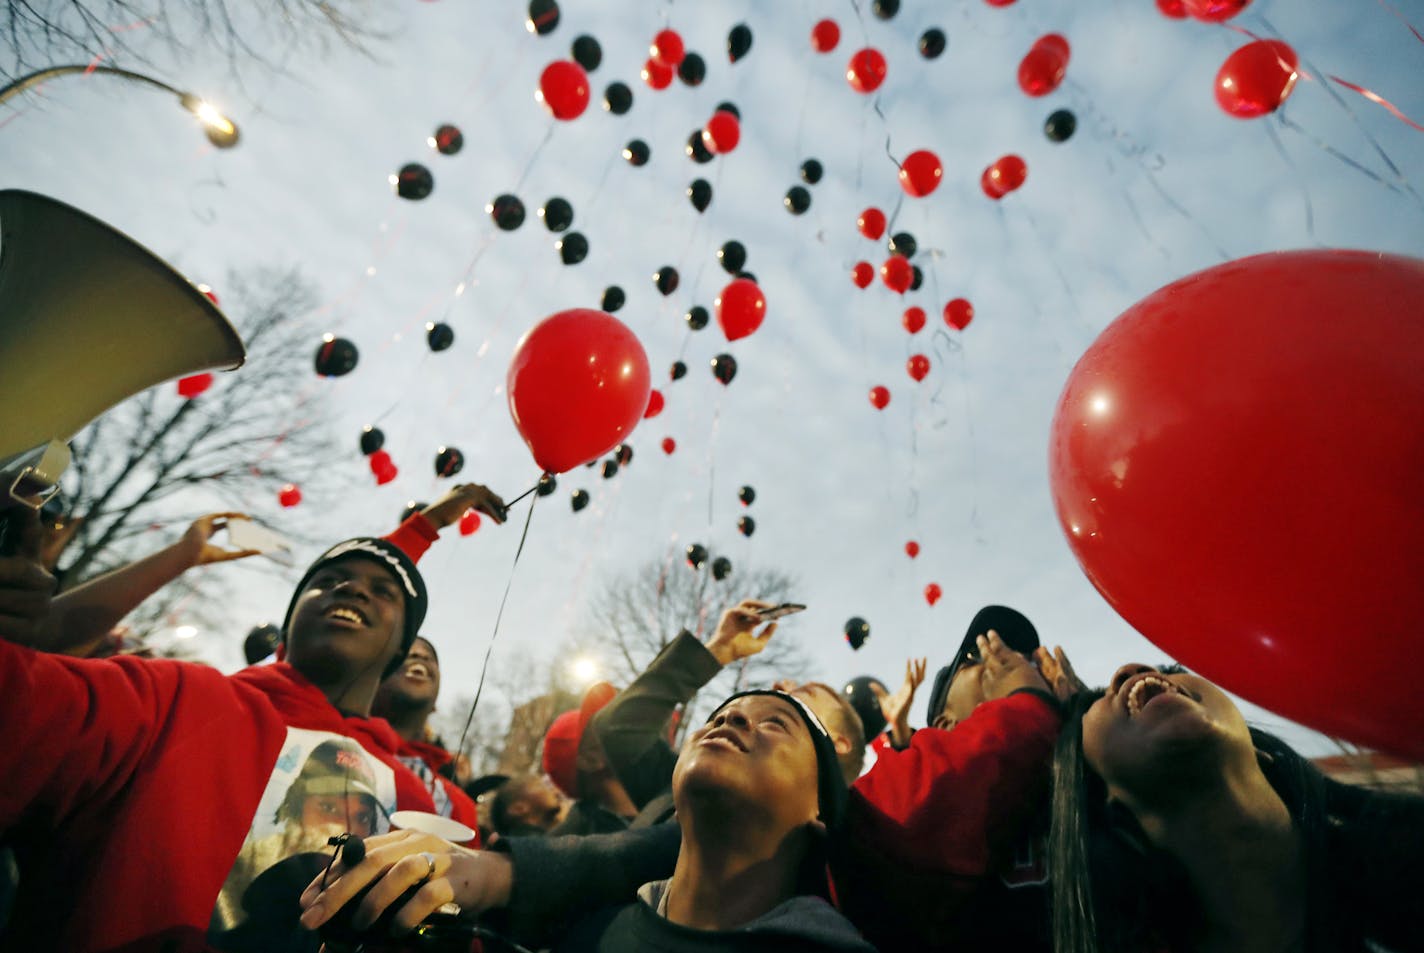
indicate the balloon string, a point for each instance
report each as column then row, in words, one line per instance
column 1379, row 100
column 1181, row 210
column 529, row 166
column 1417, row 35
column 1300, row 180
column 547, row 476
column 1334, row 152
column 1141, row 222
column 484, row 667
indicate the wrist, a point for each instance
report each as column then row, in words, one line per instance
column 722, row 653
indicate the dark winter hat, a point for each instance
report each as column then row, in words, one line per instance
column 860, row 693
column 830, row 783
column 401, row 566
column 1013, row 627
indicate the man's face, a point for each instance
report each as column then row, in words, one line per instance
column 756, row 753
column 343, row 812
column 542, row 805
column 416, row 683
column 350, row 615
column 829, row 706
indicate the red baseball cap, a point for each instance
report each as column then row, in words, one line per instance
column 561, row 741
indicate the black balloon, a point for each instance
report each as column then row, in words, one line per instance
column 336, row 356
column 261, row 642
column 448, row 139
column 410, row 510
column 618, row 98
column 573, row 248
column 692, row 70
column 739, row 42
column 729, row 107
column 507, row 212
column 747, row 275
column 699, row 193
column 587, row 53
column 696, row 555
column 697, row 317
column 557, row 214
column 732, row 256
column 903, row 243
column 610, row 469
column 811, row 171
column 543, row 17
column 747, row 495
column 1060, row 126
column 797, row 200
column 624, row 454
column 613, row 298
column 678, row 370
column 579, row 500
column 372, row 439
column 917, row 277
column 666, row 280
column 439, row 336
column 857, row 630
column 547, row 484
column 932, row 43
column 637, row 152
column 414, row 181
column 886, row 9
column 721, row 568
column 747, row 525
column 724, row 368
column 448, row 462
column 697, row 150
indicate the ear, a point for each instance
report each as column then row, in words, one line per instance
column 817, row 827
column 843, row 744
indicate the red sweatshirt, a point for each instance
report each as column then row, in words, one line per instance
column 135, row 789
column 426, row 760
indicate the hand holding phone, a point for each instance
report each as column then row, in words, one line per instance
column 245, row 534
column 779, row 611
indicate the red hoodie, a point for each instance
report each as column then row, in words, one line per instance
column 426, row 760
column 135, row 789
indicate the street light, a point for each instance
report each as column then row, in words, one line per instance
column 220, row 130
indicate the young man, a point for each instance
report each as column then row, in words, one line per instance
column 132, row 786
column 575, row 761
column 407, row 699
column 528, row 806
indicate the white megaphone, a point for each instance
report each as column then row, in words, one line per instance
column 88, row 317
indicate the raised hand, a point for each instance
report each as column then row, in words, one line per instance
column 1058, row 672
column 198, row 545
column 896, row 707
column 734, row 639
column 465, row 496
column 1004, row 670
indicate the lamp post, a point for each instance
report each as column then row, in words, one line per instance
column 220, row 130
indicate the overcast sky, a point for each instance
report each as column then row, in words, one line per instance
column 1157, row 183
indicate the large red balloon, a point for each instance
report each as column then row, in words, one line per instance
column 563, row 89
column 657, row 75
column 918, row 366
column 1044, row 66
column 866, row 70
column 871, row 223
column 578, row 384
column 825, row 35
column 1237, row 462
column 741, row 308
column 920, row 173
column 668, row 49
column 958, row 313
column 1256, row 79
column 897, row 273
column 722, row 132
column 863, row 274
column 1214, row 11
column 879, row 397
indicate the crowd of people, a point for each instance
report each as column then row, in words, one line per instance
column 156, row 804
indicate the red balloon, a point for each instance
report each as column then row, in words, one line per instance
column 866, row 70
column 655, row 403
column 578, row 384
column 290, row 495
column 897, row 273
column 958, row 313
column 210, row 294
column 1176, row 9
column 863, row 274
column 563, row 89
column 1004, row 176
column 933, row 592
column 824, row 36
column 668, row 48
column 913, row 319
column 379, row 460
column 879, row 397
column 999, row 3
column 1044, row 66
column 722, row 132
column 918, row 366
column 194, row 385
column 657, row 75
column 386, row 474
column 1214, row 11
column 669, row 445
column 912, row 549
column 741, row 308
column 920, row 173
column 469, row 523
column 1256, row 79
column 1236, row 463
column 871, row 223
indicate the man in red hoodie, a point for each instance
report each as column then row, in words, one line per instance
column 137, row 791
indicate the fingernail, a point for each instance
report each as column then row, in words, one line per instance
column 311, row 916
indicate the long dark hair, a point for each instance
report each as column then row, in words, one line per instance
column 1113, row 892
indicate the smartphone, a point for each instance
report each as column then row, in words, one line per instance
column 776, row 612
column 245, row 534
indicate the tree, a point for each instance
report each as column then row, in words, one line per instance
column 41, row 33
column 158, row 460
